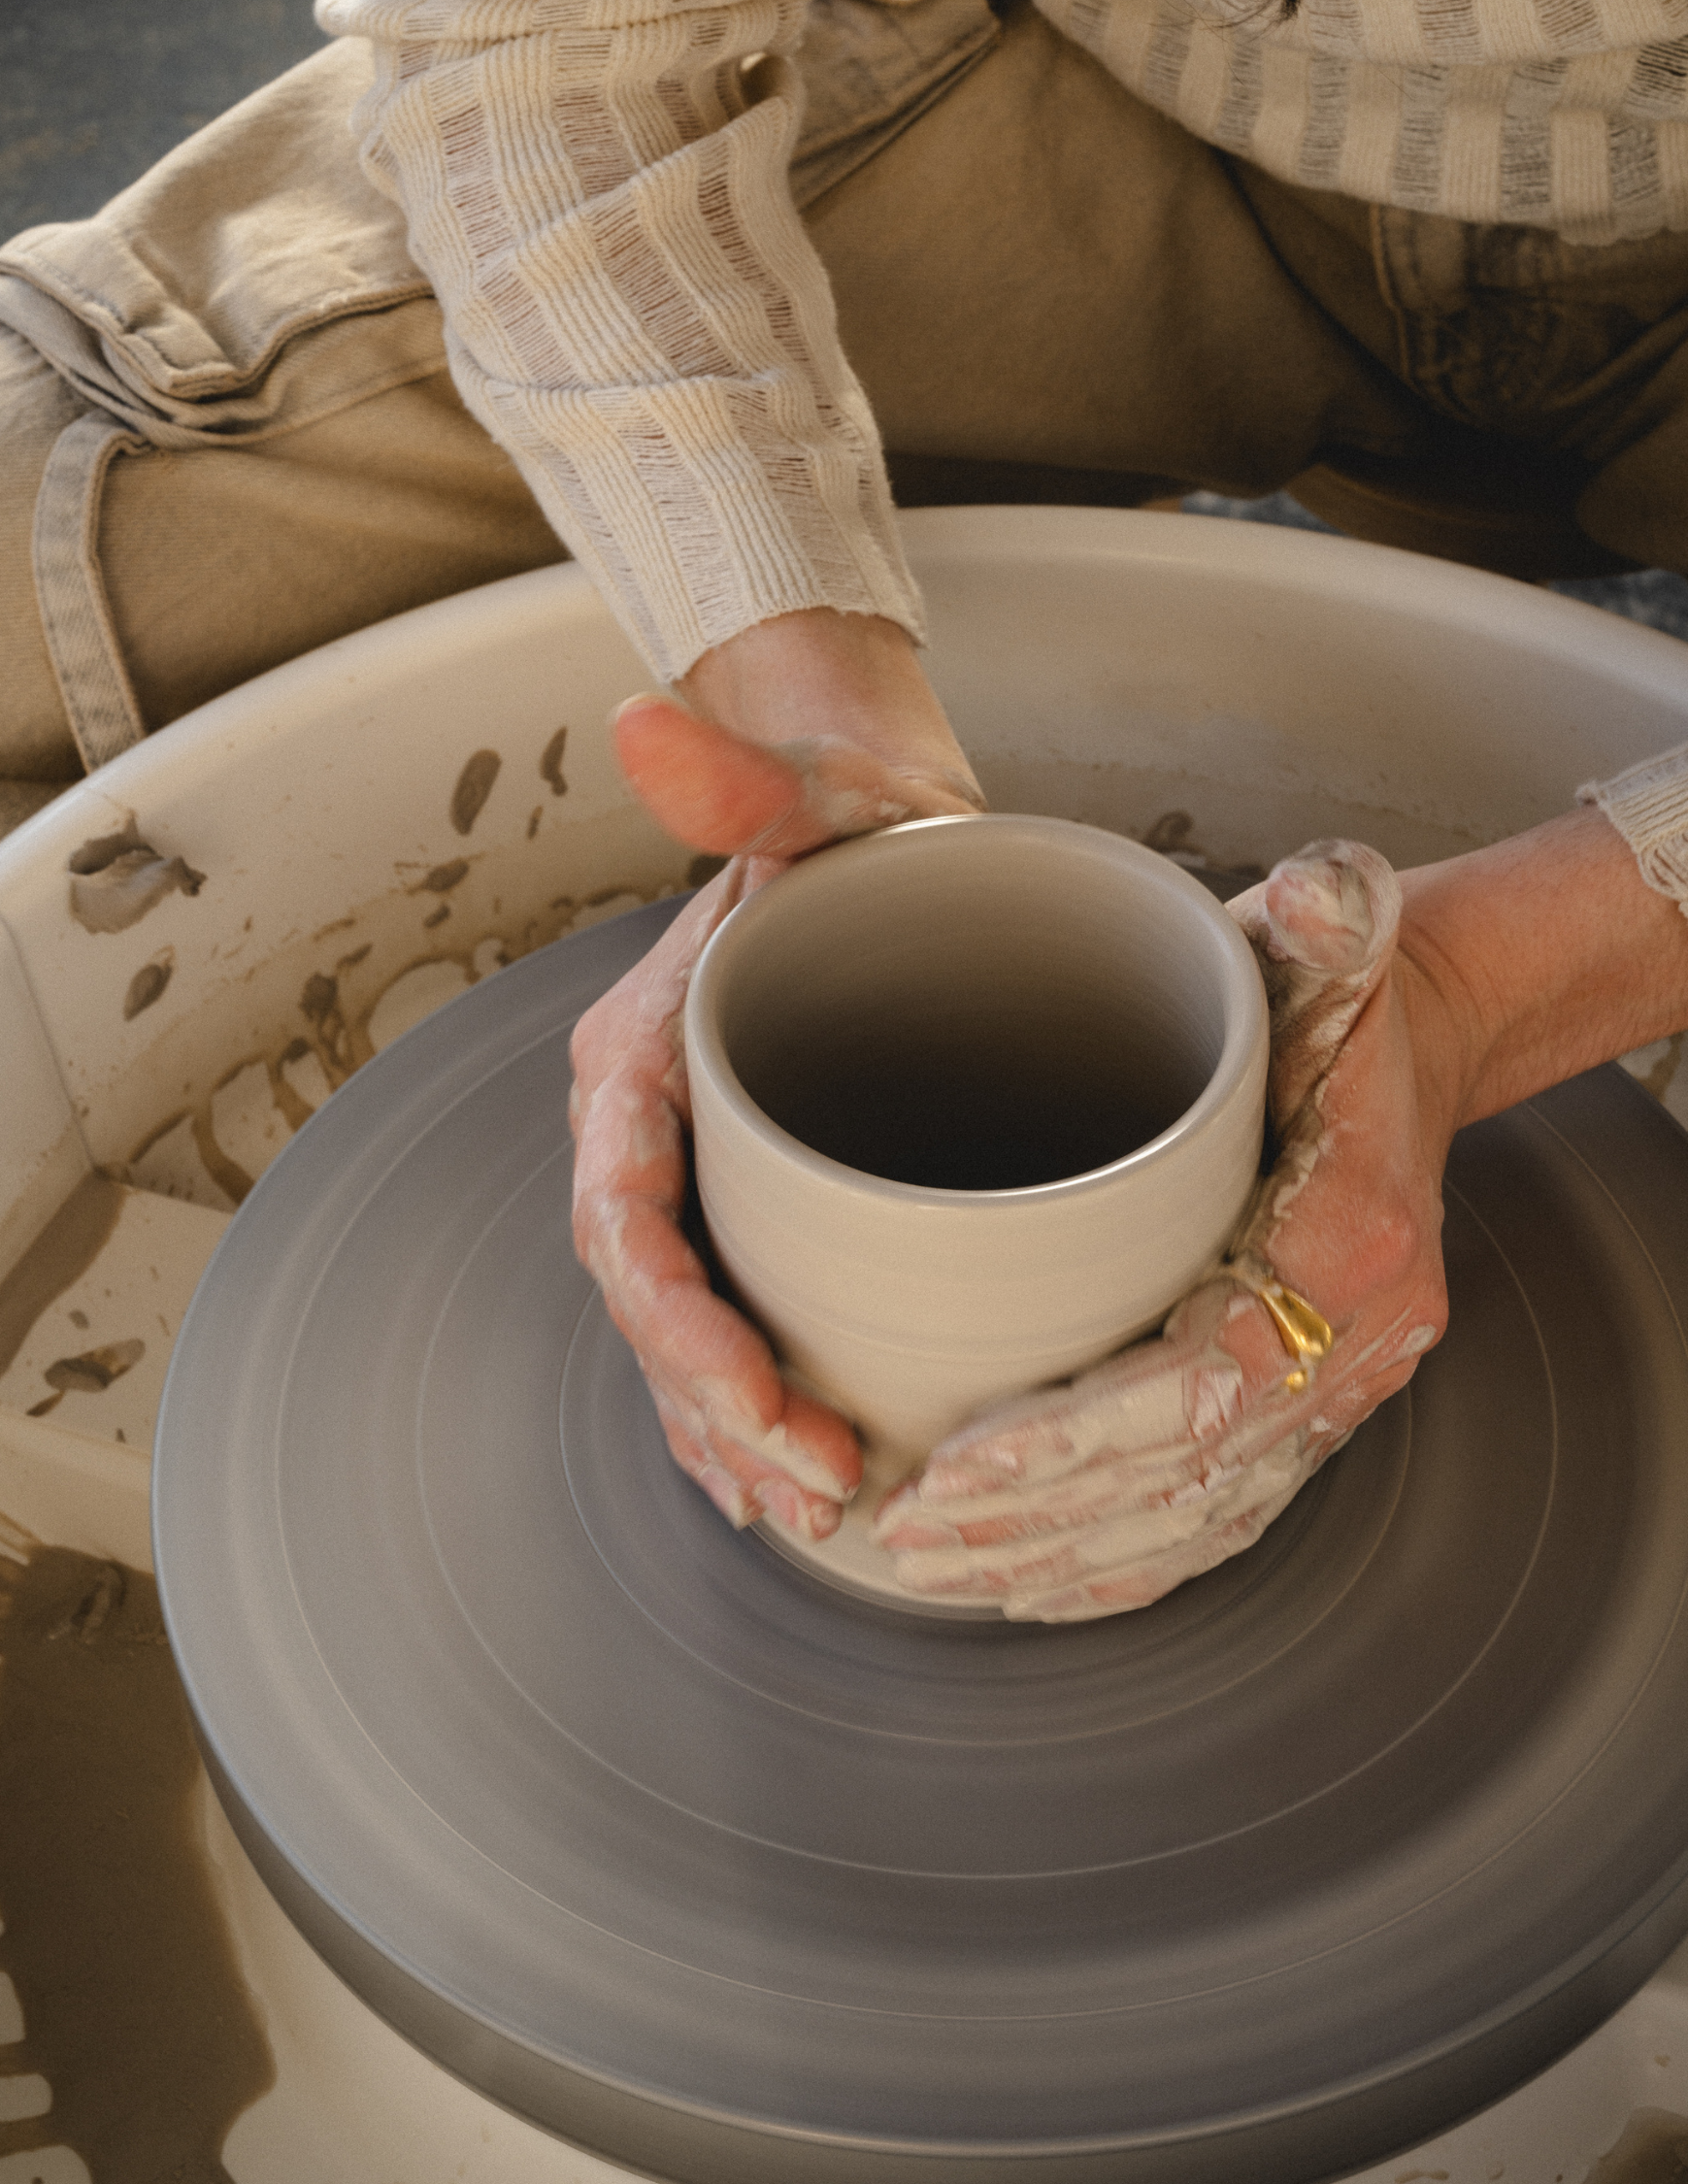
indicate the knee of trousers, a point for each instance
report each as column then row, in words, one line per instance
column 36, row 746
column 145, row 582
column 201, row 475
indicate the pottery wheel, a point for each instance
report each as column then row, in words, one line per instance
column 729, row 1876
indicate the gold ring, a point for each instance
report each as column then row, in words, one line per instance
column 1306, row 1333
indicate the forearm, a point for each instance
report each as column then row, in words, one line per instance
column 632, row 305
column 1544, row 954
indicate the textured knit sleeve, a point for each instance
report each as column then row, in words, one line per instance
column 1564, row 114
column 632, row 307
column 1648, row 805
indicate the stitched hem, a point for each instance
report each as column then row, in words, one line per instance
column 1648, row 805
column 75, row 616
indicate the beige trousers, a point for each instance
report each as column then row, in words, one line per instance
column 227, row 433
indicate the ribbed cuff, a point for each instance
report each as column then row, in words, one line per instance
column 1648, row 805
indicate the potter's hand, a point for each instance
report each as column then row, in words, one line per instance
column 1103, row 1494
column 806, row 730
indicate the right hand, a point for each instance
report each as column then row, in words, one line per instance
column 1107, row 1491
column 874, row 749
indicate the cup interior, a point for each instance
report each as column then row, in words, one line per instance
column 976, row 1005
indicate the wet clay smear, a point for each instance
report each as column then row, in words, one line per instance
column 116, row 878
column 64, row 1252
column 551, row 762
column 134, row 2010
column 474, row 787
column 1653, row 2150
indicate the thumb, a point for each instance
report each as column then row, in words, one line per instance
column 1322, row 925
column 721, row 792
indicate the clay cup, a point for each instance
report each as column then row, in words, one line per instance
column 975, row 1101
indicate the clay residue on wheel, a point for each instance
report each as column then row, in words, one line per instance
column 88, row 1372
column 551, row 763
column 92, row 1372
column 443, row 877
column 116, row 878
column 170, row 1161
column 319, row 1005
column 1173, row 836
column 474, row 787
column 212, row 1148
column 133, row 2005
column 1662, row 1073
column 60, row 1256
column 1653, row 2150
column 148, row 984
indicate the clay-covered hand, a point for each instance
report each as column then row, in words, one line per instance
column 752, row 1443
column 1105, row 1493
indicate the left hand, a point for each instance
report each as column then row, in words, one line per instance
column 874, row 749
column 1105, row 1493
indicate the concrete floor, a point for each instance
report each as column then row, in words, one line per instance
column 93, row 91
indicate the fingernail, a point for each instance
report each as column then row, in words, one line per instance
column 629, row 705
column 895, row 1503
column 809, row 1515
column 822, row 1519
column 782, row 1501
column 728, row 1496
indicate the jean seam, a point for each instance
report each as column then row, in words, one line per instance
column 76, row 615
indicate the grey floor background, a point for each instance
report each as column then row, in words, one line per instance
column 93, row 91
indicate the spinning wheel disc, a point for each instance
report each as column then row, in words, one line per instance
column 725, row 1873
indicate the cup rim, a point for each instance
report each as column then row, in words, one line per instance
column 1244, row 996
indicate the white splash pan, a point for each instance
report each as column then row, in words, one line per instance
column 1271, row 685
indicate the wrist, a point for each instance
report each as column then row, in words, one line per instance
column 1445, row 1035
column 829, row 677
column 1537, row 958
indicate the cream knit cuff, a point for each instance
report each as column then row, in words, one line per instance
column 1648, row 805
column 632, row 308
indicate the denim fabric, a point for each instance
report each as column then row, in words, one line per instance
column 1509, row 329
column 869, row 70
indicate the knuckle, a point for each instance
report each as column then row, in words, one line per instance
column 585, row 1045
column 1401, row 1250
column 1394, row 1245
